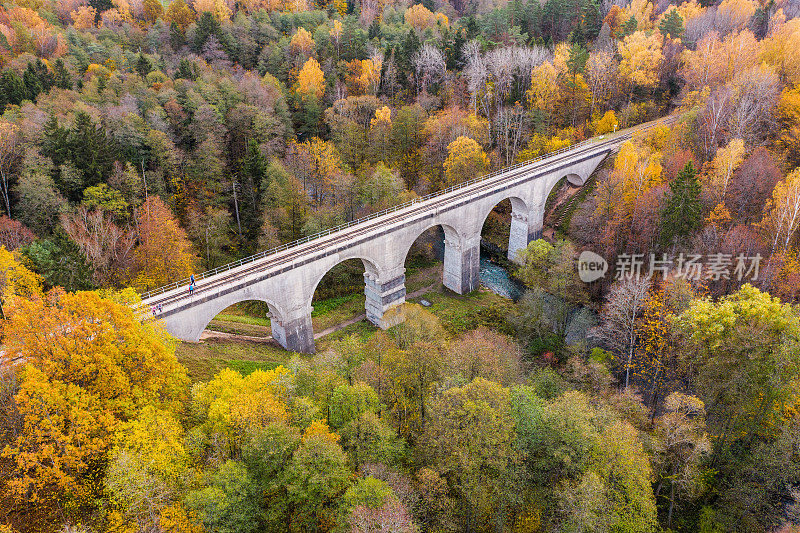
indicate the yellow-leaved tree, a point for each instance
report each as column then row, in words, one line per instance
column 606, row 124
column 641, row 58
column 310, row 81
column 642, row 12
column 231, row 407
column 16, row 282
column 543, row 92
column 419, row 17
column 164, row 253
column 789, row 119
column 370, row 79
column 465, row 160
column 147, row 467
column 637, row 169
column 302, row 44
column 383, row 116
column 89, row 364
column 780, row 49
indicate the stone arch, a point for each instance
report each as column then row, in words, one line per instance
column 518, row 206
column 572, row 178
column 370, row 268
column 450, row 234
column 575, row 179
column 201, row 316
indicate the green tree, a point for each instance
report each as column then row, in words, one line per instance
column 60, row 263
column 253, row 174
column 61, row 77
column 469, row 439
column 366, row 492
column 143, row 65
column 229, row 504
column 672, row 24
column 368, row 439
column 86, row 146
column 12, row 89
column 588, row 467
column 348, row 402
column 33, row 85
column 746, row 352
column 314, row 480
column 681, row 446
column 551, row 268
column 103, row 197
column 683, row 209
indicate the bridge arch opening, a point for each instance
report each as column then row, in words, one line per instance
column 339, row 295
column 574, row 180
column 507, row 227
column 244, row 319
column 440, row 253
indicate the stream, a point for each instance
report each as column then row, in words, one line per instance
column 497, row 279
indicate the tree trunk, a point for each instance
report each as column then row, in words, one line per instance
column 236, row 207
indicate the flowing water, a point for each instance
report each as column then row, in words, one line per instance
column 492, row 275
column 496, row 278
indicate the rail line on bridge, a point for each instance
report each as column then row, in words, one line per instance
column 286, row 277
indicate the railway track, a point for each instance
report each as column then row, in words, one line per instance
column 177, row 292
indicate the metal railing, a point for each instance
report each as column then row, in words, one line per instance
column 236, row 264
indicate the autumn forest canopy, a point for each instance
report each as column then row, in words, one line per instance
column 142, row 141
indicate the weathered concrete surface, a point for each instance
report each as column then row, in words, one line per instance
column 286, row 280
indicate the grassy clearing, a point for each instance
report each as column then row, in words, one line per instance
column 328, row 313
column 203, row 360
column 423, row 276
column 243, row 319
column 363, row 330
column 464, row 313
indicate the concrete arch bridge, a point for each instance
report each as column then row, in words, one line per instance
column 286, row 278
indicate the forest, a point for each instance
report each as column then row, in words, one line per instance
column 142, row 141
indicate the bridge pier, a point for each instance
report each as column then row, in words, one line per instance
column 383, row 293
column 526, row 227
column 462, row 263
column 296, row 334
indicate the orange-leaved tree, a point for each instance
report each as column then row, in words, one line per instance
column 164, row 253
column 88, row 364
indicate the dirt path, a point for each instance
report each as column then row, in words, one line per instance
column 209, row 334
column 212, row 334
